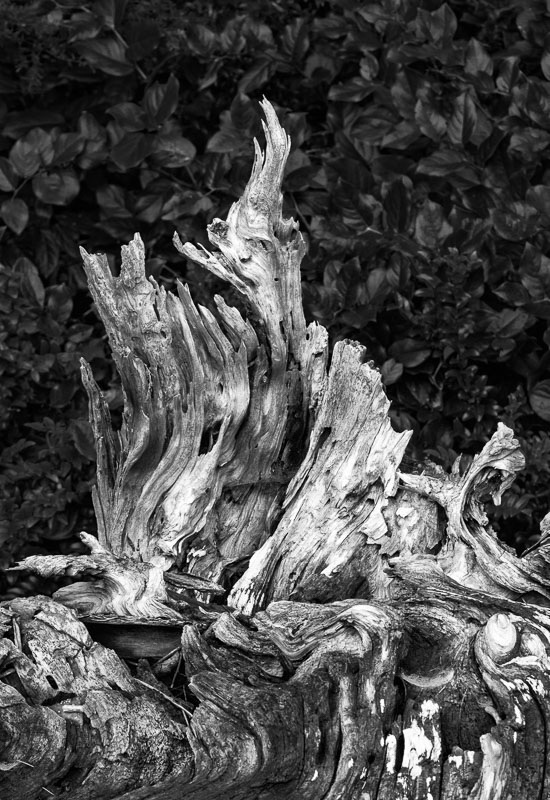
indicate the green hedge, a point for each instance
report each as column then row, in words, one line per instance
column 419, row 173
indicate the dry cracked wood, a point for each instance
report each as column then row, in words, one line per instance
column 216, row 409
column 381, row 643
column 432, row 695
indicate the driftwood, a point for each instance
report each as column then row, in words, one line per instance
column 330, row 626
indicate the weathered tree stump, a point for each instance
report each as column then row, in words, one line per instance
column 380, row 642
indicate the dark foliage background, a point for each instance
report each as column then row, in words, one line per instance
column 419, row 173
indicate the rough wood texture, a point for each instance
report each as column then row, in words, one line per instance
column 381, row 644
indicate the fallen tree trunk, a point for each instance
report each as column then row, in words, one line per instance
column 374, row 639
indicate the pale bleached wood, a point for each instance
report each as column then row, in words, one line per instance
column 217, row 409
column 382, row 644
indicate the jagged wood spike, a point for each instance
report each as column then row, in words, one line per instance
column 216, row 410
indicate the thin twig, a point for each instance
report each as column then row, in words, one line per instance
column 191, row 176
column 123, row 41
column 173, row 178
column 17, row 634
column 299, row 213
column 176, row 670
column 167, row 697
column 167, row 656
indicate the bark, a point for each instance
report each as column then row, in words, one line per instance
column 380, row 642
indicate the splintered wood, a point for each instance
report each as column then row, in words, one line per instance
column 380, row 643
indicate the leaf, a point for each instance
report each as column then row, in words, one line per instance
column 477, row 60
column 258, row 74
column 430, row 121
column 257, row 33
column 31, row 282
column 160, row 101
column 369, row 67
column 463, row 120
column 539, row 398
column 509, row 73
column 59, row 302
column 295, row 39
column 403, row 92
column 149, row 207
column 512, row 293
column 449, row 164
column 24, row 159
column 225, row 141
column 80, row 332
column 518, row 223
column 17, row 123
column 397, row 204
column 84, row 25
column 431, row 228
column 353, row 91
column 391, row 371
column 545, row 64
column 41, row 141
column 296, row 125
column 47, row 252
column 129, row 116
column 508, row 323
column 132, row 150
column 142, row 39
column 527, row 143
column 211, row 75
column 244, row 113
column 83, row 438
column 202, row 40
column 95, row 137
column 409, row 352
column 8, row 176
column 58, row 187
column 372, row 126
column 440, row 24
column 539, row 309
column 110, row 11
column 61, row 393
column 483, row 131
column 535, row 272
column 539, row 197
column 173, row 150
column 402, row 136
column 107, row 55
column 66, row 147
column 301, row 179
column 112, row 201
column 15, row 214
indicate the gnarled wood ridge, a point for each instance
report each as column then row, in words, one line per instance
column 380, row 642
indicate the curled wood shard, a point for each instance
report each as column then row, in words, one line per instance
column 121, row 586
column 470, row 551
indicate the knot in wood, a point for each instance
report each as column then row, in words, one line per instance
column 218, row 228
column 500, row 637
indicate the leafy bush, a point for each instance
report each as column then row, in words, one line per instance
column 419, row 173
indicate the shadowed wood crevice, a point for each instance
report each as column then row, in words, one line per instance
column 381, row 642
